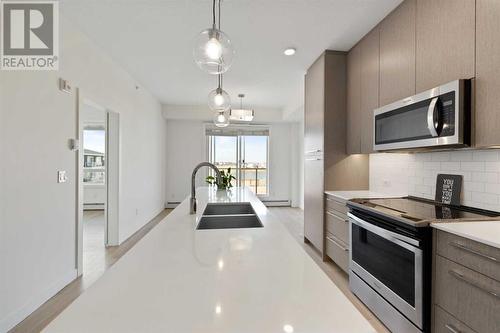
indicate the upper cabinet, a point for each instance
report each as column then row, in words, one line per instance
column 369, row 49
column 314, row 105
column 397, row 53
column 445, row 42
column 353, row 143
column 487, row 73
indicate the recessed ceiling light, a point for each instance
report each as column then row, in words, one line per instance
column 290, row 51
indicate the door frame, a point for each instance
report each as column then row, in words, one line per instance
column 112, row 134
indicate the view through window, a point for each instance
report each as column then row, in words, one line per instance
column 246, row 153
column 94, row 156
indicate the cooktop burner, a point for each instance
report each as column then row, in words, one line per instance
column 418, row 209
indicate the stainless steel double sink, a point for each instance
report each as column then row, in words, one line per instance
column 229, row 215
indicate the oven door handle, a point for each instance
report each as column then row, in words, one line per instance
column 403, row 241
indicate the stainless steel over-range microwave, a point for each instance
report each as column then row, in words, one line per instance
column 439, row 117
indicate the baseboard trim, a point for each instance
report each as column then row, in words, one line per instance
column 17, row 316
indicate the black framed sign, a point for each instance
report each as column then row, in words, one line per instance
column 448, row 189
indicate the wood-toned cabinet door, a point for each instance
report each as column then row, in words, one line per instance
column 397, row 53
column 369, row 49
column 445, row 42
column 487, row 73
column 313, row 200
column 314, row 106
column 353, row 144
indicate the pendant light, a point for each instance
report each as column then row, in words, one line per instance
column 221, row 119
column 213, row 51
column 218, row 99
column 241, row 114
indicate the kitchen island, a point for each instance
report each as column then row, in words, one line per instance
column 182, row 280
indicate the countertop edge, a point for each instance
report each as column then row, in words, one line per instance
column 449, row 227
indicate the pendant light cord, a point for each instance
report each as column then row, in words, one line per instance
column 213, row 14
column 219, row 13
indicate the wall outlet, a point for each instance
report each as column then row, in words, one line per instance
column 137, row 211
column 61, row 177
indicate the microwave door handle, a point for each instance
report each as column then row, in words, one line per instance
column 430, row 117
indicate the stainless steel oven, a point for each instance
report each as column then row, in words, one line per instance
column 435, row 118
column 387, row 272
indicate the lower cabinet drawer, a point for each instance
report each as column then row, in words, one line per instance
column 468, row 295
column 476, row 256
column 337, row 251
column 338, row 226
column 334, row 205
column 446, row 323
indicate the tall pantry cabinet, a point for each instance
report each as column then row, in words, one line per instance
column 326, row 163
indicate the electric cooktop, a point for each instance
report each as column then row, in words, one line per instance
column 418, row 210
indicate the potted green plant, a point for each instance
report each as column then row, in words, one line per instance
column 226, row 179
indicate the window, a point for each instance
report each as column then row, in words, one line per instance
column 94, row 159
column 245, row 151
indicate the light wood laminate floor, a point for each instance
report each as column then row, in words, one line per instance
column 98, row 259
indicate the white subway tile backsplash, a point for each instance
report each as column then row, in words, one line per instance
column 472, row 166
column 486, row 198
column 473, row 186
column 492, row 188
column 492, row 166
column 485, row 155
column 432, row 165
column 461, row 156
column 416, row 174
column 450, row 166
column 485, row 177
column 441, row 156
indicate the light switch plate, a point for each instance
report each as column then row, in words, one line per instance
column 64, row 86
column 61, row 177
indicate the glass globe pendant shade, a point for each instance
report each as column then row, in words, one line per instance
column 213, row 51
column 221, row 119
column 219, row 100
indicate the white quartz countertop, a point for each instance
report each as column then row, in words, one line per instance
column 178, row 279
column 486, row 232
column 348, row 195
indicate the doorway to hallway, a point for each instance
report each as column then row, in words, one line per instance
column 98, row 167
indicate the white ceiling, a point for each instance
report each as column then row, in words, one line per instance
column 153, row 40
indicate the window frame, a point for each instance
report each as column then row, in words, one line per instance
column 268, row 128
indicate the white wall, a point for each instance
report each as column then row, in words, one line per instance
column 186, row 147
column 37, row 215
column 480, row 170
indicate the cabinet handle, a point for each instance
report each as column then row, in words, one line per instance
column 313, row 159
column 452, row 328
column 477, row 253
column 337, row 243
column 337, row 217
column 313, row 151
column 468, row 280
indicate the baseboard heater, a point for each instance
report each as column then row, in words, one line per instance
column 276, row 203
column 93, row 206
column 172, row 204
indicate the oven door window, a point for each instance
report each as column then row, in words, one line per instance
column 391, row 264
